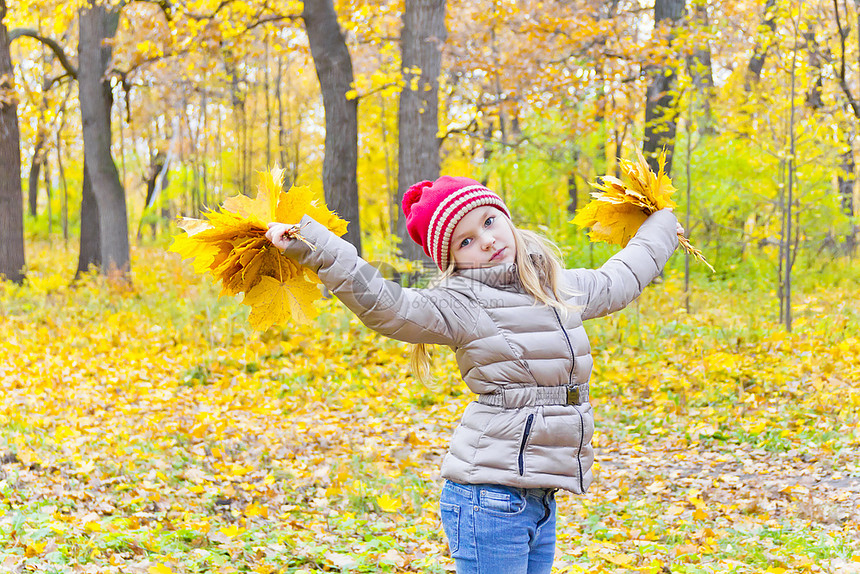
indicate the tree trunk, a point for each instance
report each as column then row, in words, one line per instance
column 267, row 90
column 486, row 153
column 289, row 176
column 204, row 121
column 238, row 99
column 11, row 201
column 334, row 70
column 605, row 100
column 282, row 138
column 64, row 216
column 846, row 181
column 572, row 187
column 421, row 40
column 39, row 154
column 660, row 102
column 91, row 246
column 155, row 178
column 846, row 190
column 756, row 62
column 813, row 95
column 98, row 24
column 702, row 73
column 58, row 134
column 249, row 139
column 46, row 173
column 846, row 173
column 789, row 252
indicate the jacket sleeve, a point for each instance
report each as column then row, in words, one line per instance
column 437, row 315
column 623, row 277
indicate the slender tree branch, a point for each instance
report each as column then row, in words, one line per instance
column 843, row 33
column 123, row 73
column 839, row 72
column 54, row 46
column 274, row 18
column 376, row 90
column 467, row 128
column 49, row 83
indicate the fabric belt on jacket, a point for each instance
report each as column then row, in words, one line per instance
column 517, row 397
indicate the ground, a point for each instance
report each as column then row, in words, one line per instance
column 147, row 428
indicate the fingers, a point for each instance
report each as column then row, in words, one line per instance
column 280, row 234
column 272, row 232
column 680, row 229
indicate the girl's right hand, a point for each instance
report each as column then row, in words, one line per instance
column 280, row 234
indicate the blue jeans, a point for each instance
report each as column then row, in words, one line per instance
column 495, row 529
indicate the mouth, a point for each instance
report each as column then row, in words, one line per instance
column 498, row 253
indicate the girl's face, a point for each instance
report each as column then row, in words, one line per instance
column 484, row 237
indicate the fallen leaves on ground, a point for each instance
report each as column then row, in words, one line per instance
column 152, row 431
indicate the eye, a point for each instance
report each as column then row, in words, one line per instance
column 465, row 242
column 489, row 221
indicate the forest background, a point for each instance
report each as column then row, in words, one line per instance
column 146, row 428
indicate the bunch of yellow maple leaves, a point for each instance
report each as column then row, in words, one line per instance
column 231, row 245
column 619, row 207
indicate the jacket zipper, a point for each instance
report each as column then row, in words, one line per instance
column 521, row 459
column 581, row 421
column 569, row 346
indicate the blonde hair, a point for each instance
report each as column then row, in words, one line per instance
column 540, row 277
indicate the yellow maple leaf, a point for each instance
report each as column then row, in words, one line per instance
column 619, row 207
column 202, row 253
column 160, row 569
column 230, row 245
column 193, row 226
column 231, row 531
column 612, row 223
column 35, row 548
column 621, row 559
column 275, row 302
column 261, row 209
column 255, row 509
column 307, row 201
column 388, row 503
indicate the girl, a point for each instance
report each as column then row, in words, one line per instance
column 513, row 315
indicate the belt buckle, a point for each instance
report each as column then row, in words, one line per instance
column 573, row 396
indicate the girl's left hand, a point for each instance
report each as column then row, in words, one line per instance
column 280, row 234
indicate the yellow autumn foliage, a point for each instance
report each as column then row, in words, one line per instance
column 231, row 245
column 620, row 206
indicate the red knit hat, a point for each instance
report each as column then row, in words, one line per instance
column 433, row 209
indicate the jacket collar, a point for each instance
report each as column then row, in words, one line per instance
column 499, row 276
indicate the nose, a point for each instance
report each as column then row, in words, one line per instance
column 488, row 240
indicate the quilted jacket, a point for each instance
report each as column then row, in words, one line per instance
column 506, row 345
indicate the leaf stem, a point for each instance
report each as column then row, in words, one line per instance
column 688, row 247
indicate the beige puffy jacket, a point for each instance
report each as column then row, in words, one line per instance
column 504, row 344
